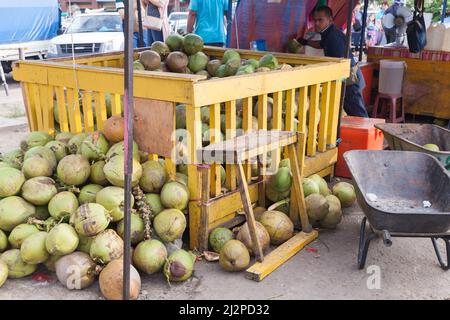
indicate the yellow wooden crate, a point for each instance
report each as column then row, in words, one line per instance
column 314, row 81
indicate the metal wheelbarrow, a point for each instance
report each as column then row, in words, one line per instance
column 412, row 137
column 402, row 194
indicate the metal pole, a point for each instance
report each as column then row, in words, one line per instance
column 141, row 30
column 128, row 141
column 363, row 30
column 347, row 53
column 444, row 11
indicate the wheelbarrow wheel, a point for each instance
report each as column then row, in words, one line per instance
column 444, row 266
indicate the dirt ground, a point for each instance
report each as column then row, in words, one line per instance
column 325, row 270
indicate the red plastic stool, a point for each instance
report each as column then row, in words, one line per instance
column 391, row 101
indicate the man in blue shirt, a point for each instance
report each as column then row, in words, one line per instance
column 333, row 43
column 209, row 19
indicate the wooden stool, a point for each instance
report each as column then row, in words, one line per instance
column 384, row 99
column 246, row 147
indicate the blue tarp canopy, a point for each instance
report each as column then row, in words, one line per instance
column 28, row 20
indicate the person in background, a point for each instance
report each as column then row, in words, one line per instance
column 210, row 19
column 372, row 31
column 357, row 26
column 333, row 43
column 158, row 9
column 120, row 7
column 390, row 33
column 381, row 13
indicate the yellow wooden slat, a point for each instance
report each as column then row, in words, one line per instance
column 262, row 125
column 62, row 111
column 247, row 125
column 335, row 105
column 29, row 104
column 312, row 126
column 290, row 116
column 320, row 161
column 230, row 125
column 171, row 167
column 49, row 115
column 153, row 157
column 116, row 104
column 281, row 254
column 88, row 115
column 100, row 109
column 303, row 104
column 276, row 125
column 215, row 134
column 38, row 106
column 73, row 108
column 324, row 108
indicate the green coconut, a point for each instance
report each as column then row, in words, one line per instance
column 218, row 237
column 50, row 263
column 73, row 170
column 13, row 158
column 119, row 149
column 3, row 272
column 345, row 193
column 111, row 198
column 231, row 55
column 161, row 48
column 17, row 268
column 33, row 250
column 137, row 65
column 322, row 184
column 278, row 225
column 175, row 42
column 35, row 139
column 180, row 177
column 180, row 116
column 97, row 175
column 432, row 147
column 179, row 266
column 95, row 146
column 90, row 219
column 170, row 224
column 198, row 62
column 42, row 212
column 234, row 256
column 137, row 227
column 281, row 181
column 276, row 196
column 175, row 195
column 150, row 59
column 212, row 67
column 64, row 137
column 62, row 240
column 192, row 44
column 59, row 149
column 150, row 256
column 154, row 175
column 268, row 61
column 106, row 246
column 310, row 186
column 39, row 191
column 114, row 171
column 220, row 73
column 76, row 271
column 3, row 241
column 42, row 152
column 88, row 193
column 334, row 215
column 11, row 181
column 316, row 207
column 261, row 233
column 63, row 205
column 36, row 167
column 4, row 165
column 84, row 244
column 154, row 201
column 20, row 233
column 14, row 211
column 74, row 143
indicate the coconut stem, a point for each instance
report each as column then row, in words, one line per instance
column 144, row 211
column 279, row 204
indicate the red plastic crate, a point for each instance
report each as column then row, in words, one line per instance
column 357, row 134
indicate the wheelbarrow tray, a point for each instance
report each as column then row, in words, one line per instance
column 401, row 181
column 412, row 137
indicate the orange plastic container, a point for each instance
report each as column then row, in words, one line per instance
column 357, row 134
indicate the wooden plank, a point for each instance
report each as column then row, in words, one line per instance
column 62, row 111
column 46, row 97
column 333, row 119
column 116, row 104
column 247, row 124
column 320, row 161
column 73, row 108
column 230, row 113
column 290, row 116
column 203, row 232
column 88, row 115
column 303, row 105
column 29, row 106
column 195, row 210
column 100, row 110
column 324, row 107
column 37, row 105
column 277, row 126
column 215, row 134
column 312, row 126
column 251, row 223
column 281, row 254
